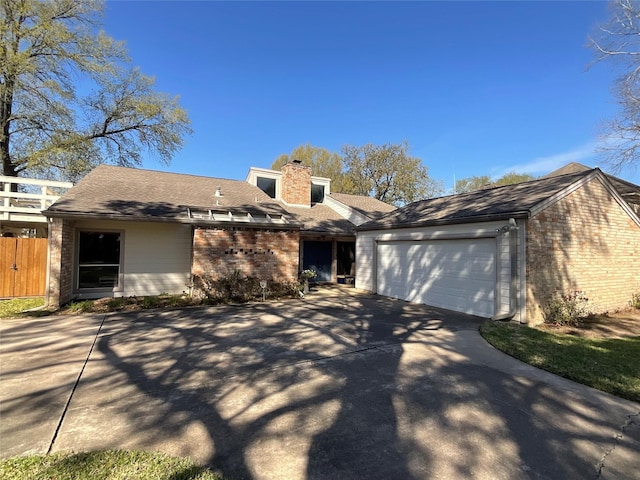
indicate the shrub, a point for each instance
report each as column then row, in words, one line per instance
column 239, row 288
column 635, row 300
column 116, row 303
column 151, row 302
column 569, row 309
column 80, row 306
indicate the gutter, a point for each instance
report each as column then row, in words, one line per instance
column 512, row 228
column 183, row 221
column 373, row 225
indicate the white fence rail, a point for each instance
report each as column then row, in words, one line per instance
column 24, row 199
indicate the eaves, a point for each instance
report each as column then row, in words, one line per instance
column 167, row 219
column 446, row 221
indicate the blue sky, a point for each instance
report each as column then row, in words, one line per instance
column 475, row 88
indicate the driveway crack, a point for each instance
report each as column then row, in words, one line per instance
column 75, row 386
column 631, row 420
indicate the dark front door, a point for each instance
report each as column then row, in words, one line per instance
column 317, row 256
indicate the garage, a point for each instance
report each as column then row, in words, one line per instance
column 457, row 274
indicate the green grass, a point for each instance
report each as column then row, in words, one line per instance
column 608, row 364
column 15, row 306
column 103, row 465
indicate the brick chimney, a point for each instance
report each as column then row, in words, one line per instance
column 296, row 183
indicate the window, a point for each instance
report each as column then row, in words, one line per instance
column 317, row 193
column 99, row 260
column 267, row 185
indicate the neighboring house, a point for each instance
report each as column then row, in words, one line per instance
column 23, row 234
column 505, row 252
column 22, row 201
column 123, row 231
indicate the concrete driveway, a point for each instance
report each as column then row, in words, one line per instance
column 347, row 387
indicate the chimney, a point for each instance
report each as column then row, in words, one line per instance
column 296, row 184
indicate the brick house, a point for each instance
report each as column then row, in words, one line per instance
column 505, row 252
column 123, row 231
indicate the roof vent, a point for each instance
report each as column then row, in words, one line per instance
column 296, row 161
column 218, row 192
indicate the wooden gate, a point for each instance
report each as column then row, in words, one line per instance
column 23, row 267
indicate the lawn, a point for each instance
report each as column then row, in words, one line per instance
column 16, row 306
column 608, row 364
column 103, row 465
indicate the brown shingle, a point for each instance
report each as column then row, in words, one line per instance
column 322, row 219
column 128, row 192
column 569, row 168
column 491, row 204
column 368, row 206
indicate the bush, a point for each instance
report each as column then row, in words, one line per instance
column 116, row 303
column 635, row 300
column 239, row 288
column 567, row 310
column 151, row 302
column 80, row 306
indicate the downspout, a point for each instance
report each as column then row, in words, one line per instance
column 512, row 228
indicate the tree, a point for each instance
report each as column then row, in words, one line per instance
column 388, row 173
column 513, row 177
column 618, row 42
column 323, row 163
column 472, row 184
column 69, row 98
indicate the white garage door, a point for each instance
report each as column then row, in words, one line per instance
column 458, row 275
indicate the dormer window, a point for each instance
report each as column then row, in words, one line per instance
column 317, row 193
column 267, row 185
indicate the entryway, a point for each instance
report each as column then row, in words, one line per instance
column 316, row 256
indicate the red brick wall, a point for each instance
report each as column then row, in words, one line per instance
column 60, row 288
column 266, row 254
column 584, row 242
column 296, row 184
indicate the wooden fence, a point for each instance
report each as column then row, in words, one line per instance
column 23, row 267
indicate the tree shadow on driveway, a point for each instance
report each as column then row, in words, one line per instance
column 358, row 387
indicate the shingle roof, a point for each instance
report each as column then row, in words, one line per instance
column 490, row 204
column 629, row 191
column 321, row 219
column 368, row 206
column 573, row 167
column 128, row 193
column 136, row 193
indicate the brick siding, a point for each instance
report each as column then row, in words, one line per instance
column 266, row 254
column 60, row 288
column 296, row 184
column 584, row 242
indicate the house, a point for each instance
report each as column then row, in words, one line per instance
column 505, row 252
column 123, row 231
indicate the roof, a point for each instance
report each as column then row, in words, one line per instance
column 321, row 219
column 368, row 206
column 627, row 190
column 497, row 203
column 573, row 167
column 136, row 194
column 127, row 193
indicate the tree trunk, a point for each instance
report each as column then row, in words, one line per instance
column 6, row 104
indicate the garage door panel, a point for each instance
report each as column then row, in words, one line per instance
column 455, row 274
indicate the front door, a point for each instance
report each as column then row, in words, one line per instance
column 317, row 256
